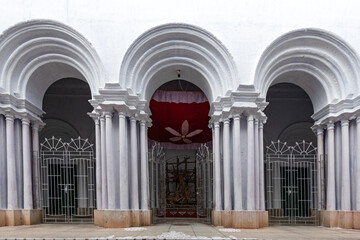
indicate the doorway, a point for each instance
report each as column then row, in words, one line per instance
column 180, row 160
column 67, row 161
column 291, row 167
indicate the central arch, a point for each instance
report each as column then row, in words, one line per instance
column 171, row 47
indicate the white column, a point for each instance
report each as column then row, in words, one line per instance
column 3, row 167
column 98, row 164
column 251, row 164
column 28, row 196
column 104, row 193
column 227, row 166
column 358, row 164
column 11, row 165
column 261, row 169
column 217, row 166
column 124, row 166
column 257, row 165
column 320, row 155
column 330, row 194
column 110, row 161
column 134, row 165
column 144, row 168
column 19, row 162
column 237, row 164
column 36, row 166
column 345, row 166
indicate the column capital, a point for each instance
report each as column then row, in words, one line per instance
column 330, row 125
column 250, row 118
column 143, row 122
column 237, row 116
column 216, row 124
column 133, row 119
column 97, row 121
column 261, row 125
column 226, row 121
column 344, row 122
column 25, row 121
column 35, row 126
column 358, row 119
column 122, row 114
column 108, row 114
column 9, row 117
column 319, row 131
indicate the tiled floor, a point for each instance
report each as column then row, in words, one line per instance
column 173, row 230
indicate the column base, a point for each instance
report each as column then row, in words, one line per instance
column 30, row 217
column 341, row 219
column 122, row 218
column 356, row 217
column 2, row 218
column 240, row 219
column 13, row 217
column 20, row 217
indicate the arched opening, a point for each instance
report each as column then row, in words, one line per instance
column 66, row 153
column 289, row 110
column 66, row 106
column 180, row 179
column 154, row 59
column 290, row 162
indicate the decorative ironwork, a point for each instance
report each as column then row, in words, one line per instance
column 157, row 183
column 204, row 183
column 67, row 180
column 180, row 186
column 52, row 145
column 181, row 183
column 80, row 145
column 291, row 183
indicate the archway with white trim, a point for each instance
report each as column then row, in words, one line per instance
column 159, row 52
column 327, row 69
column 319, row 62
column 35, row 54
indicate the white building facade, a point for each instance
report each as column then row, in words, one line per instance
column 234, row 52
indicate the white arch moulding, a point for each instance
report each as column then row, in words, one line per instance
column 169, row 47
column 319, row 62
column 39, row 52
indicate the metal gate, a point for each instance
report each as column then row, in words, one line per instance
column 204, row 183
column 291, row 183
column 67, row 180
column 157, row 183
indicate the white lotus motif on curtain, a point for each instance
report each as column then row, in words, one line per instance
column 184, row 135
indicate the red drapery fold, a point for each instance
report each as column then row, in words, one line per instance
column 180, row 125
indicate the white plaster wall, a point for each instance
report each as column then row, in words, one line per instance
column 246, row 27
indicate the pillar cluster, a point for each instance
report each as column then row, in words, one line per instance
column 338, row 145
column 122, row 168
column 239, row 170
column 20, row 199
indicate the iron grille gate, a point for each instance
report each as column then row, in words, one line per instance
column 291, row 183
column 67, row 180
column 204, row 183
column 157, row 183
column 181, row 192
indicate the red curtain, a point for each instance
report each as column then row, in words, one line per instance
column 180, row 123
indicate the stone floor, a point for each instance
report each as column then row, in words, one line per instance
column 172, row 230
